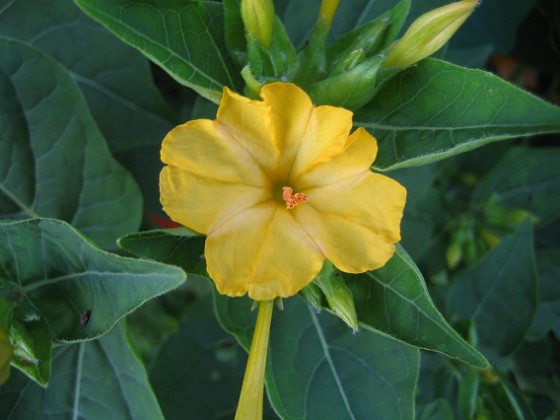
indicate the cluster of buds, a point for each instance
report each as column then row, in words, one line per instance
column 349, row 72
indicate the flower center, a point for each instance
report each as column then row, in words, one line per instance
column 292, row 200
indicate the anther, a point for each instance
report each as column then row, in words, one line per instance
column 292, row 200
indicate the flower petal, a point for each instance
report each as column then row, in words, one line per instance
column 203, row 203
column 356, row 221
column 263, row 252
column 359, row 154
column 247, row 122
column 306, row 134
column 198, row 147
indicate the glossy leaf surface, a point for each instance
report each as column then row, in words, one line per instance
column 435, row 110
column 394, row 299
column 184, row 38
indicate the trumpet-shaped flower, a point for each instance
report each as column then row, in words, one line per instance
column 278, row 186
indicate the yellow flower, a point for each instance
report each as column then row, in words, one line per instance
column 278, row 186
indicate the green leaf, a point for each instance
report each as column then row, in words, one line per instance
column 101, row 379
column 79, row 290
column 439, row 409
column 525, row 178
column 317, row 368
column 435, row 110
column 199, row 370
column 53, row 159
column 468, row 392
column 178, row 246
column 499, row 294
column 115, row 79
column 394, row 300
column 547, row 317
column 185, row 38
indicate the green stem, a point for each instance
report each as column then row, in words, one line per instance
column 250, row 405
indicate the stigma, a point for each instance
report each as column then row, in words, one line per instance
column 292, row 200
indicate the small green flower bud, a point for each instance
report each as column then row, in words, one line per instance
column 338, row 296
column 429, row 33
column 349, row 61
column 258, row 18
column 454, row 254
column 352, row 89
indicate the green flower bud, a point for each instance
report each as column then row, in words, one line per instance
column 454, row 254
column 258, row 18
column 338, row 296
column 351, row 89
column 429, row 33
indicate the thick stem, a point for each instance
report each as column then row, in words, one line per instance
column 250, row 405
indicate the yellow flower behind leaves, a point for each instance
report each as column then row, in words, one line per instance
column 278, row 186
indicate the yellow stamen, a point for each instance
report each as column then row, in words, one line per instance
column 252, row 391
column 292, row 200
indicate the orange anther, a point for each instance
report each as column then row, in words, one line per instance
column 292, row 200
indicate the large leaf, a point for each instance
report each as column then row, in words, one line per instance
column 525, row 178
column 198, row 372
column 547, row 317
column 499, row 294
column 101, row 379
column 318, row 368
column 185, row 38
column 54, row 161
column 114, row 78
column 435, row 110
column 394, row 299
column 177, row 246
column 79, row 290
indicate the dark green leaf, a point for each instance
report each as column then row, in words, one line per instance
column 185, row 38
column 547, row 317
column 317, row 368
column 101, row 379
column 435, row 110
column 114, row 78
column 394, row 299
column 178, row 246
column 79, row 290
column 525, row 178
column 199, row 370
column 468, row 390
column 499, row 294
column 437, row 410
column 53, row 160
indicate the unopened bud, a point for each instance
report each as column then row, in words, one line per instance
column 429, row 33
column 339, row 297
column 352, row 89
column 258, row 18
